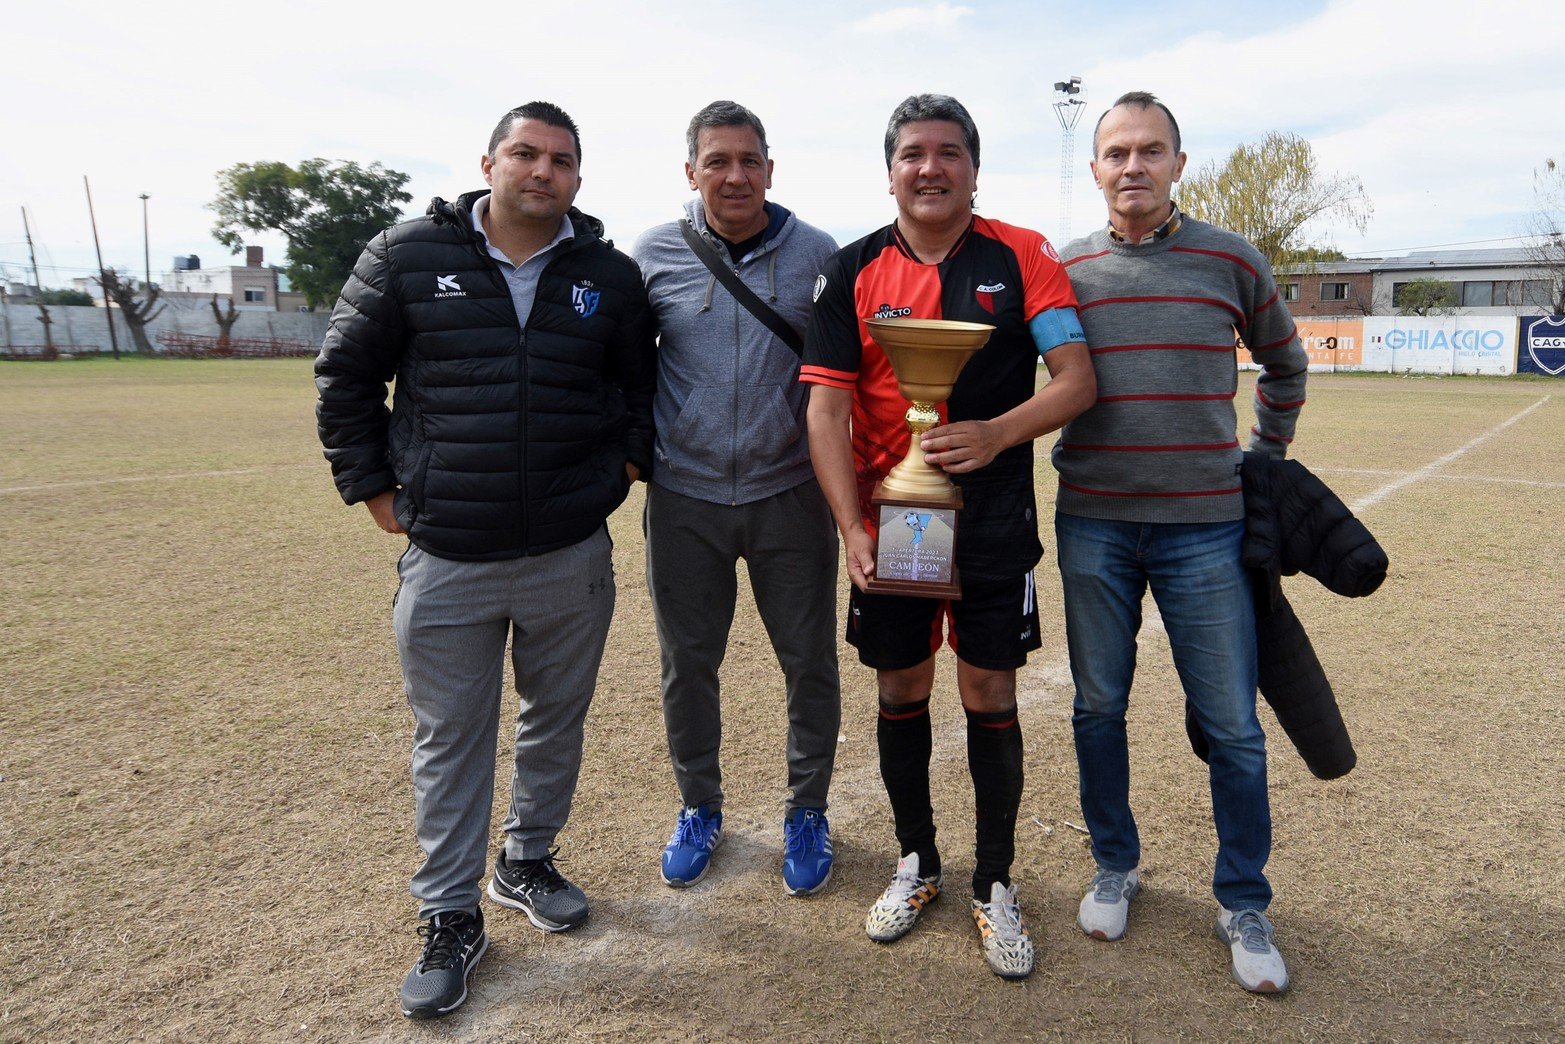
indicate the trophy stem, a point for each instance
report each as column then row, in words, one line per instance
column 922, row 416
column 913, row 477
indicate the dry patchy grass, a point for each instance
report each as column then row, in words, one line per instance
column 205, row 799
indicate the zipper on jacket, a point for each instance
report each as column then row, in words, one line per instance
column 566, row 248
column 733, row 430
column 521, row 384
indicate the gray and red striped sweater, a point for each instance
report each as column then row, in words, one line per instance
column 1161, row 318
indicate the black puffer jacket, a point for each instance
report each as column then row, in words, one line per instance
column 501, row 442
column 1294, row 523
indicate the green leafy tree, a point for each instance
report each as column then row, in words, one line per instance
column 63, row 297
column 1425, row 297
column 327, row 210
column 1274, row 194
column 1309, row 257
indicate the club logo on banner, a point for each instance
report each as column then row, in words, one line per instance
column 1544, row 339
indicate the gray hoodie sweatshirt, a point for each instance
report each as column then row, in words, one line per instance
column 729, row 406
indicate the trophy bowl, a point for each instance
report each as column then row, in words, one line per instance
column 927, row 355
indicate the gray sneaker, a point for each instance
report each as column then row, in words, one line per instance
column 536, row 888
column 1258, row 965
column 1106, row 906
column 454, row 942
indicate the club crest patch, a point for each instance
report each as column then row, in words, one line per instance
column 820, row 288
column 1050, row 253
column 985, row 294
column 585, row 299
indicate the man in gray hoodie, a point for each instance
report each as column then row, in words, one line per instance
column 732, row 479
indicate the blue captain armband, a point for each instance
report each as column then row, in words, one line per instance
column 1055, row 327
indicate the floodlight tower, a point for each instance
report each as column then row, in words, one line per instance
column 1070, row 100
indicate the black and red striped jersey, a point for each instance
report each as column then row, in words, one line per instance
column 996, row 273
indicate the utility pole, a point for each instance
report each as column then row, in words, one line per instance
column 1068, row 105
column 146, row 246
column 43, row 313
column 108, row 313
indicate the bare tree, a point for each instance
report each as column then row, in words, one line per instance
column 136, row 312
column 1359, row 302
column 225, row 320
column 1546, row 229
column 1272, row 193
column 49, row 350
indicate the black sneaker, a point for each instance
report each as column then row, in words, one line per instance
column 536, row 888
column 437, row 983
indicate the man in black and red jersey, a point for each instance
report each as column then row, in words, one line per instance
column 939, row 261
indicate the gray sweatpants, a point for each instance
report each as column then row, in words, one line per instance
column 789, row 545
column 452, row 620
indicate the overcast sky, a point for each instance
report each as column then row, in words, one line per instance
column 1443, row 108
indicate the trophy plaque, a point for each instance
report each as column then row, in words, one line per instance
column 917, row 503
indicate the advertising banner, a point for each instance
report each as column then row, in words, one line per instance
column 1443, row 344
column 1542, row 347
column 1331, row 344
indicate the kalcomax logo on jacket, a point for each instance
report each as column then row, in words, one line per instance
column 447, row 286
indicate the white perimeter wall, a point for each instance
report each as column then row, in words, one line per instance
column 1447, row 344
column 87, row 325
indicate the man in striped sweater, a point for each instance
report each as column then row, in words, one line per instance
column 1150, row 497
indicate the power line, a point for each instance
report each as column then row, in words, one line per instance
column 1435, row 246
column 50, row 268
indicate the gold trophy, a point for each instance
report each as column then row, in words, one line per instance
column 915, row 552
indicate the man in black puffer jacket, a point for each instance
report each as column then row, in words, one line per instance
column 522, row 349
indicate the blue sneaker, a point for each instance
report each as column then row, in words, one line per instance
column 806, row 851
column 689, row 851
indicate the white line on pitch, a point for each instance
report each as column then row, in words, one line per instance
column 146, row 478
column 1435, row 465
column 1493, row 479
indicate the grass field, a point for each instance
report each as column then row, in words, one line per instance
column 207, row 821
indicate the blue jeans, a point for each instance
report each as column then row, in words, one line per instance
column 1203, row 594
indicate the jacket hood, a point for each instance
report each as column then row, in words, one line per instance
column 779, row 222
column 460, row 215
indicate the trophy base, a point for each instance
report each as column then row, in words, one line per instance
column 915, row 554
column 951, row 592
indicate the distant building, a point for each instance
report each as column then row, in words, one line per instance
column 1485, row 282
column 292, row 301
column 1329, row 288
column 1503, row 281
column 251, row 286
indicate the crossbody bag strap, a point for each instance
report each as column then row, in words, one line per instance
column 743, row 294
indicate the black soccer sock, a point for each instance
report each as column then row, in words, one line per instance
column 994, row 757
column 906, row 741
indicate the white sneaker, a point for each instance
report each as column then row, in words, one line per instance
column 1007, row 946
column 1258, row 966
column 898, row 907
column 1106, row 905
